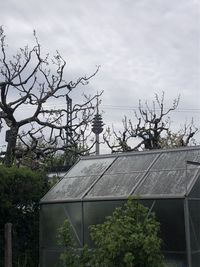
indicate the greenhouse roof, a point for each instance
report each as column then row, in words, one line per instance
column 151, row 174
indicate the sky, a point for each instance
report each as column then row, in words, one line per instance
column 143, row 47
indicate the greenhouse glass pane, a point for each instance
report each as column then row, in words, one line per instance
column 148, row 203
column 127, row 164
column 170, row 215
column 194, row 212
column 175, row 260
column 165, row 183
column 193, row 155
column 73, row 213
column 51, row 258
column 115, row 185
column 195, row 191
column 87, row 167
column 196, row 259
column 173, row 160
column 95, row 213
column 52, row 217
column 69, row 188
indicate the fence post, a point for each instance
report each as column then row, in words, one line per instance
column 8, row 245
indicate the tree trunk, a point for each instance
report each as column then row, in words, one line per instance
column 11, row 146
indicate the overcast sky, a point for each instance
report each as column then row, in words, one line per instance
column 143, row 47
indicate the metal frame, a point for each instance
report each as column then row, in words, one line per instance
column 187, row 232
column 183, row 196
column 187, row 216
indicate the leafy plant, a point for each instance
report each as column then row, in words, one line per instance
column 72, row 255
column 128, row 238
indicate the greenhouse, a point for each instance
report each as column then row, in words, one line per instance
column 166, row 181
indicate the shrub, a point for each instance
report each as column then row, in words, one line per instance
column 128, row 238
column 21, row 190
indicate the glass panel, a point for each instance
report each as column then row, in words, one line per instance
column 73, row 213
column 115, row 185
column 95, row 213
column 194, row 155
column 165, row 183
column 175, row 159
column 131, row 163
column 175, row 260
column 87, row 167
column 170, row 214
column 195, row 191
column 149, row 203
column 196, row 259
column 69, row 188
column 52, row 217
column 51, row 258
column 194, row 211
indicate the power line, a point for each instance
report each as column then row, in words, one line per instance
column 117, row 107
column 156, row 109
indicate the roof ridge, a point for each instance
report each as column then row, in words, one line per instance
column 144, row 152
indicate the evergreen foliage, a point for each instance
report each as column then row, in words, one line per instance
column 21, row 190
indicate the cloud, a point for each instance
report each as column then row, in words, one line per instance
column 142, row 46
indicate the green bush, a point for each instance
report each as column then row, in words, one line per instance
column 21, row 190
column 128, row 238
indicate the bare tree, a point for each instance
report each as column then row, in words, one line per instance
column 26, row 80
column 152, row 130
